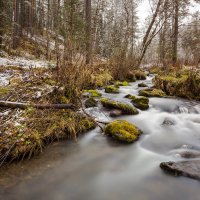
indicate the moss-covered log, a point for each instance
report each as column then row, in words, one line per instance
column 10, row 104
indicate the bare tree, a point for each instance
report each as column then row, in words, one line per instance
column 88, row 30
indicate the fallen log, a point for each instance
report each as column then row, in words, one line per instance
column 9, row 104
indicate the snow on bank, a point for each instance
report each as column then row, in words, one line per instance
column 24, row 62
column 4, row 79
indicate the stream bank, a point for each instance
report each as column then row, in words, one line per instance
column 97, row 167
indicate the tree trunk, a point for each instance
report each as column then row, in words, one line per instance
column 88, row 31
column 146, row 37
column 1, row 23
column 16, row 26
column 175, row 34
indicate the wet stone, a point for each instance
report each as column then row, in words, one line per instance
column 189, row 169
column 115, row 113
column 190, row 154
column 168, row 122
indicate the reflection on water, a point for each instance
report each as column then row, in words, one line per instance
column 97, row 168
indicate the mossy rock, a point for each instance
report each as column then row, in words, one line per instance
column 119, row 83
column 182, row 84
column 91, row 102
column 139, row 102
column 123, row 131
column 142, row 85
column 125, row 108
column 93, row 93
column 111, row 89
column 140, row 75
column 150, row 92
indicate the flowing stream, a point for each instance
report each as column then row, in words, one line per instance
column 97, row 168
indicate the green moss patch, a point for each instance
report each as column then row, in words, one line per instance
column 151, row 92
column 119, row 83
column 184, row 84
column 93, row 93
column 125, row 108
column 102, row 79
column 155, row 70
column 91, row 102
column 38, row 128
column 139, row 102
column 123, row 131
column 4, row 91
column 112, row 89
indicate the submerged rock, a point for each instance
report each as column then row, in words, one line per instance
column 125, row 108
column 168, row 122
column 190, row 154
column 123, row 131
column 151, row 92
column 91, row 102
column 115, row 113
column 189, row 169
column 112, row 89
column 139, row 102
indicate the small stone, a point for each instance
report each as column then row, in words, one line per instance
column 168, row 122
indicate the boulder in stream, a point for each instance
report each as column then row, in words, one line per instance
column 122, row 131
column 125, row 108
column 141, row 103
column 112, row 89
column 119, row 83
column 152, row 92
column 189, row 169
